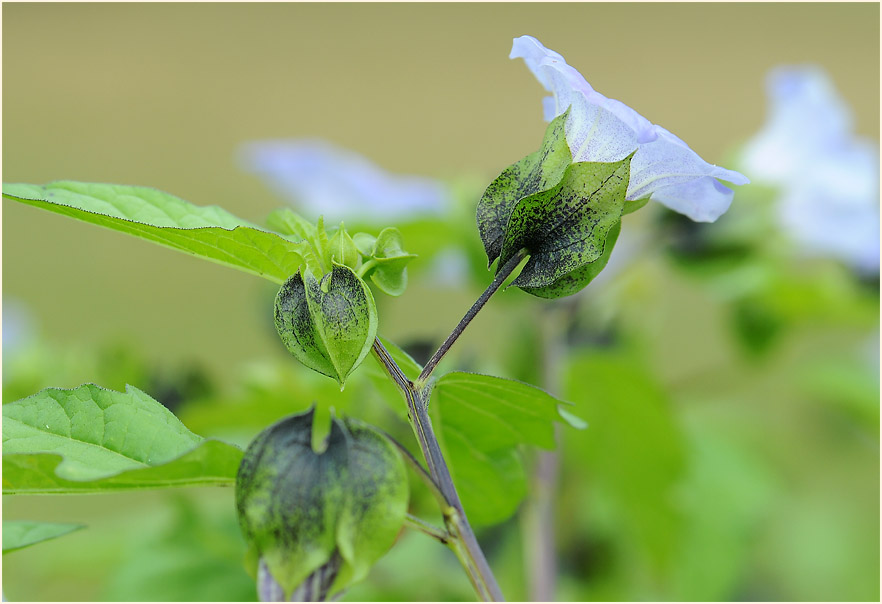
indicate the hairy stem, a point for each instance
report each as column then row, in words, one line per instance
column 503, row 274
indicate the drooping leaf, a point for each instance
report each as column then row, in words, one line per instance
column 566, row 227
column 208, row 232
column 89, row 439
column 18, row 534
column 317, row 521
column 329, row 325
column 480, row 421
column 537, row 172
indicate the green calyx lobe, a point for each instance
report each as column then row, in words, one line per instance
column 327, row 323
column 316, row 522
column 381, row 259
column 566, row 215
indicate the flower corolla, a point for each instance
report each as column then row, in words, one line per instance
column 322, row 179
column 828, row 179
column 599, row 129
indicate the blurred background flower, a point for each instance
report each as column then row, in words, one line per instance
column 826, row 179
column 319, row 178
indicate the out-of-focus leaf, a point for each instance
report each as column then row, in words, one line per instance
column 633, row 455
column 208, row 232
column 21, row 533
column 196, row 557
column 90, row 439
column 724, row 495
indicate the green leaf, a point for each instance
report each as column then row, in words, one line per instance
column 481, row 421
column 537, row 172
column 328, row 325
column 205, row 231
column 566, row 227
column 575, row 281
column 635, row 456
column 90, row 439
column 292, row 224
column 18, row 534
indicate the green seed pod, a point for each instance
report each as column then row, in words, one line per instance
column 329, row 325
column 316, row 522
column 566, row 215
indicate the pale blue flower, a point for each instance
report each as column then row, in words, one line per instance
column 319, row 178
column 828, row 179
column 599, row 129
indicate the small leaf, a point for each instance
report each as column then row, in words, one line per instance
column 90, row 439
column 18, row 534
column 566, row 227
column 317, row 521
column 537, row 172
column 328, row 325
column 208, row 232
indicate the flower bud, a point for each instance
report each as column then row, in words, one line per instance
column 316, row 522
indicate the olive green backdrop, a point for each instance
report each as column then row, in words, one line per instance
column 162, row 94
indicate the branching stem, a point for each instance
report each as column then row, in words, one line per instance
column 460, row 536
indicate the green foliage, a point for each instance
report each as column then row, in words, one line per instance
column 194, row 556
column 481, row 421
column 208, row 232
column 330, row 324
column 89, row 439
column 20, row 534
column 317, row 521
column 634, row 455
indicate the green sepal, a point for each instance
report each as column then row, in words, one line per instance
column 343, row 248
column 365, row 243
column 566, row 227
column 575, row 281
column 327, row 323
column 387, row 266
column 318, row 521
column 537, row 172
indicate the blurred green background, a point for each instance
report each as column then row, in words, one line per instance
column 726, row 469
